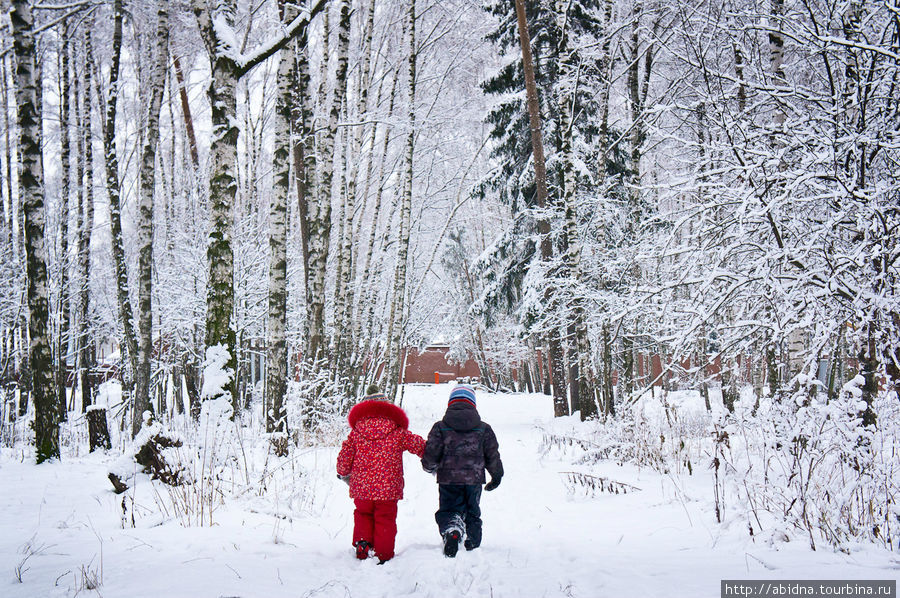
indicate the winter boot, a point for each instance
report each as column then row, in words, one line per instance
column 362, row 549
column 451, row 543
column 470, row 545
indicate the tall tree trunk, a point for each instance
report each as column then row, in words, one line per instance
column 636, row 108
column 320, row 209
column 31, row 192
column 177, row 388
column 628, row 364
column 344, row 328
column 276, row 343
column 145, row 218
column 868, row 362
column 222, row 193
column 85, row 228
column 8, row 146
column 227, row 68
column 739, row 74
column 113, row 194
column 397, row 321
column 369, row 272
column 776, row 54
column 304, row 148
column 10, row 332
column 64, row 307
column 560, row 406
column 186, row 113
column 341, row 259
column 609, row 406
column 583, row 391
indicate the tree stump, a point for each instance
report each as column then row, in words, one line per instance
column 280, row 444
column 149, row 455
column 98, row 430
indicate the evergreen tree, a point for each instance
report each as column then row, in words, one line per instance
column 511, row 256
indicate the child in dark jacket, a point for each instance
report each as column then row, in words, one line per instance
column 371, row 462
column 458, row 450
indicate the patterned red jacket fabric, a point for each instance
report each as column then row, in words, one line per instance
column 372, row 455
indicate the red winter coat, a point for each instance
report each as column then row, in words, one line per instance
column 372, row 455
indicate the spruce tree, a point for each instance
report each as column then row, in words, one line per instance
column 514, row 253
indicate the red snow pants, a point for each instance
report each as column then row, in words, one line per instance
column 375, row 521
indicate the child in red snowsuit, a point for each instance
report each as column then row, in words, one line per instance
column 371, row 461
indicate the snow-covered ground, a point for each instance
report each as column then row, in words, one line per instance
column 61, row 524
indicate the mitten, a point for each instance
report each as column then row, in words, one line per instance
column 344, row 478
column 495, row 481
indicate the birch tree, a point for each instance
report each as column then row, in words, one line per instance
column 583, row 393
column 109, row 102
column 319, row 212
column 345, row 290
column 228, row 65
column 396, row 320
column 31, row 192
column 65, row 149
column 157, row 86
column 276, row 344
column 85, row 169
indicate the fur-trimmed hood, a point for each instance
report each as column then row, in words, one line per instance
column 373, row 409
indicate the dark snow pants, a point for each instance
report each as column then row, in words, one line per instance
column 375, row 521
column 459, row 509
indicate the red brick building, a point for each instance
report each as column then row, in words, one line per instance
column 432, row 366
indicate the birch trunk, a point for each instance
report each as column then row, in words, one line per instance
column 356, row 308
column 31, row 192
column 739, row 74
column 64, row 308
column 583, row 392
column 145, row 218
column 276, row 343
column 368, row 271
column 609, row 405
column 9, row 355
column 636, row 109
column 396, row 321
column 304, row 147
column 113, row 194
column 85, row 228
column 227, row 67
column 344, row 307
column 776, row 54
column 320, row 208
column 15, row 236
column 7, row 144
column 555, row 355
column 341, row 259
column 79, row 101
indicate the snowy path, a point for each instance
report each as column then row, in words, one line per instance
column 538, row 540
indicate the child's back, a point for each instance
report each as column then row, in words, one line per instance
column 371, row 461
column 459, row 448
column 374, row 450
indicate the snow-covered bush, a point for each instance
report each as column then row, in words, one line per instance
column 797, row 465
column 652, row 432
column 316, row 408
column 808, row 464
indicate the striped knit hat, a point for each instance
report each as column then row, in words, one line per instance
column 463, row 393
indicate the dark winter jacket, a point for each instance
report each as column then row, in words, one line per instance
column 372, row 455
column 461, row 446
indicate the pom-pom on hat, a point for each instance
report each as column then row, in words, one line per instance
column 463, row 393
